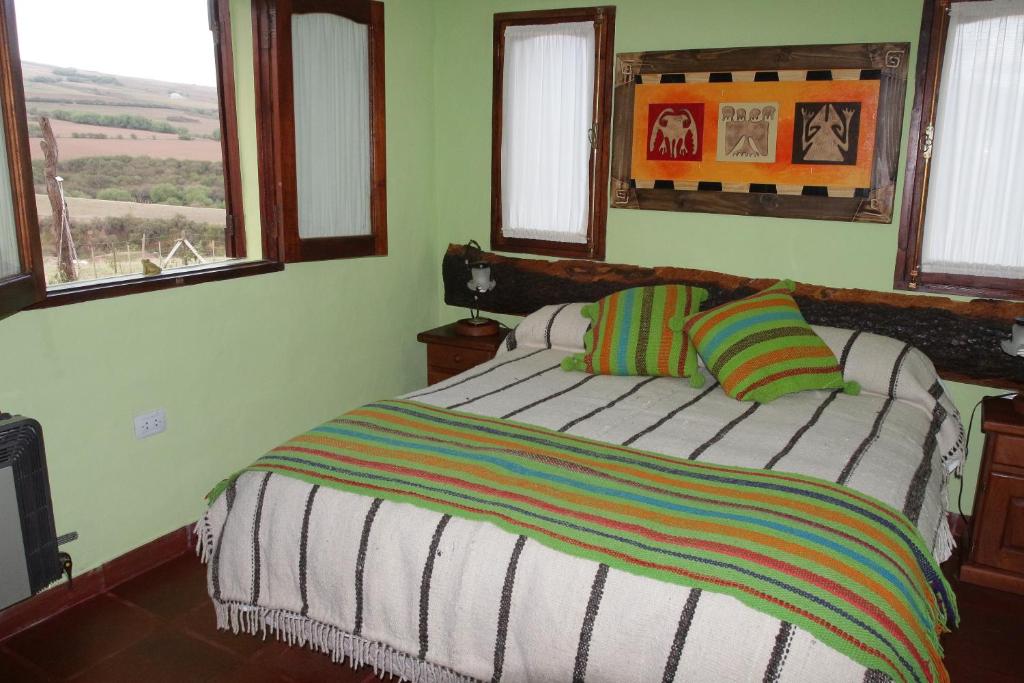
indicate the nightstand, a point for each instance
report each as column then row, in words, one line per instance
column 996, row 555
column 448, row 353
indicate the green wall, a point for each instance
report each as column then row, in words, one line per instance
column 239, row 365
column 242, row 365
column 820, row 252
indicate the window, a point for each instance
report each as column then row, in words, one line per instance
column 320, row 98
column 960, row 230
column 21, row 265
column 116, row 160
column 552, row 109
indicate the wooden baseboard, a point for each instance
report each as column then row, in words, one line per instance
column 42, row 606
column 992, row 578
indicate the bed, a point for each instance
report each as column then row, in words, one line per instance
column 433, row 597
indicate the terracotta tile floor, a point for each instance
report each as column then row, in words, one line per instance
column 157, row 627
column 160, row 627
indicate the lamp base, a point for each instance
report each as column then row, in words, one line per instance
column 476, row 327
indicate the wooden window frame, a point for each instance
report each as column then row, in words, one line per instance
column 275, row 106
column 908, row 274
column 604, row 40
column 24, row 289
column 220, row 24
column 19, row 157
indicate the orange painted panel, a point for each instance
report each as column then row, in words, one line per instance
column 663, row 134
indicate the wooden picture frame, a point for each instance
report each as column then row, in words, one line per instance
column 808, row 131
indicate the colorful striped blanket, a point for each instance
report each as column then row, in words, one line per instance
column 848, row 569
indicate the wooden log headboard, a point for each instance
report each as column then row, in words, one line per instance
column 961, row 337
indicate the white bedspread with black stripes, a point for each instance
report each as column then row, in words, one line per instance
column 431, row 597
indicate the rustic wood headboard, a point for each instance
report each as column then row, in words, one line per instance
column 961, row 337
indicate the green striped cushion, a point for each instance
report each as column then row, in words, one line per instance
column 760, row 347
column 630, row 333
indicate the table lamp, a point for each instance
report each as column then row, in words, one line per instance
column 479, row 283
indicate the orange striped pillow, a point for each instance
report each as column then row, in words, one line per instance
column 760, row 347
column 638, row 331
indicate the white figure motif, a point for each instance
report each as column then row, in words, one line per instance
column 825, row 134
column 675, row 129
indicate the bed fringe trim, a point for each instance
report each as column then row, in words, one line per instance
column 954, row 458
column 204, row 537
column 945, row 541
column 952, row 465
column 295, row 629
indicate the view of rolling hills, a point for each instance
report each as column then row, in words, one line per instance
column 141, row 166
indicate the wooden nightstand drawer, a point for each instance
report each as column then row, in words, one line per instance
column 1010, row 451
column 455, row 358
column 449, row 353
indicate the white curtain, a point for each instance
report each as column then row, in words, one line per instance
column 548, row 102
column 974, row 221
column 330, row 62
column 10, row 259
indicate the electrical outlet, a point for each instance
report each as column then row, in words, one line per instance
column 150, row 423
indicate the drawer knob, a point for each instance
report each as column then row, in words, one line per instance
column 458, row 358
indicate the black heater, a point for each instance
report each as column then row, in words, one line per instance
column 29, row 558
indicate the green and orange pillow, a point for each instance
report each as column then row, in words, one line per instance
column 638, row 331
column 761, row 347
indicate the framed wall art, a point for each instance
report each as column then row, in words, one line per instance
column 807, row 131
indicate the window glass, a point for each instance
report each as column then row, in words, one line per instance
column 125, row 135
column 332, row 125
column 10, row 259
column 550, row 136
column 547, row 120
column 974, row 207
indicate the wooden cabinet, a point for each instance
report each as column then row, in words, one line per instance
column 448, row 353
column 996, row 555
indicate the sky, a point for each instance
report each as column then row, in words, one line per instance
column 165, row 41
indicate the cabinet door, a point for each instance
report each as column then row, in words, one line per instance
column 1000, row 541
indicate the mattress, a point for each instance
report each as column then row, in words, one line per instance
column 429, row 598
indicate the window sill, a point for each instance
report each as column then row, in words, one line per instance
column 571, row 250
column 965, row 285
column 133, row 284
